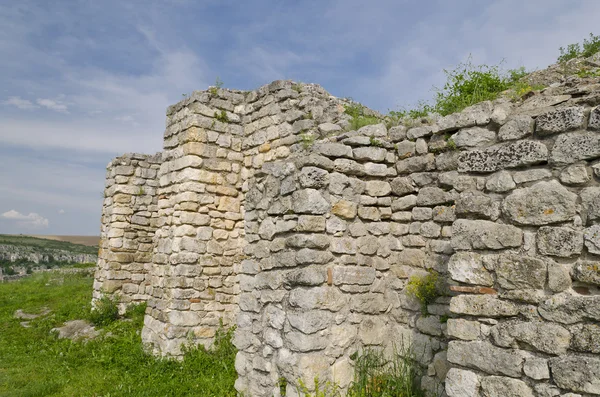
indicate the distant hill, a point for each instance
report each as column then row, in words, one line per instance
column 73, row 244
column 92, row 241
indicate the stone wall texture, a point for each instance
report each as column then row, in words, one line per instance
column 266, row 212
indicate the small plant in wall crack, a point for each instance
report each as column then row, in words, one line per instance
column 375, row 142
column 425, row 288
column 307, row 139
column 222, row 116
column 218, row 84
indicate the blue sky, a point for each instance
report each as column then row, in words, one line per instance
column 82, row 81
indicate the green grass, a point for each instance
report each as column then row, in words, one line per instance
column 588, row 48
column 359, row 119
column 40, row 244
column 33, row 362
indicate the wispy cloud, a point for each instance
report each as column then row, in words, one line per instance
column 32, row 220
column 20, row 103
column 51, row 104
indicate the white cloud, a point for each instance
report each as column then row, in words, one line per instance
column 51, row 104
column 20, row 103
column 33, row 220
column 61, row 211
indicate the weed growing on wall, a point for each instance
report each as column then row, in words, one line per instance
column 218, row 84
column 359, row 119
column 425, row 289
column 222, row 116
column 590, row 47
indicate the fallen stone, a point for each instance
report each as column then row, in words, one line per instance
column 76, row 330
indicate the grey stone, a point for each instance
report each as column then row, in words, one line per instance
column 311, row 321
column 520, row 272
column 429, row 325
column 309, row 201
column 343, row 245
column 587, row 272
column 463, row 329
column 575, row 146
column 594, row 123
column 536, row 368
column 477, row 204
column 421, row 146
column 331, row 149
column 516, row 127
column 567, row 308
column 467, row 267
column 478, row 114
column 416, row 164
column 323, row 297
column 369, row 154
column 375, row 130
column 307, row 241
column 419, row 132
column 541, row 336
column 482, row 305
column 422, row 213
column 480, row 234
column 586, row 338
column 358, row 275
column 307, row 256
column 327, row 128
column 306, row 277
column 430, row 230
column 77, row 330
column 575, row 174
column 559, row 277
column 559, row 241
column 397, row 133
column 462, row 383
column 592, row 239
column 590, row 201
column 486, row 357
column 500, row 182
column 596, row 169
column 300, row 342
column 577, row 373
column 540, row 204
column 404, row 203
column 406, row 149
column 531, row 175
column 444, row 214
column 473, row 137
column 429, row 196
column 378, row 188
column 503, row 156
column 560, row 120
column 500, row 386
column 447, row 161
column 313, row 177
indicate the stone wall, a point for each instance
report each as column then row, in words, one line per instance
column 129, row 220
column 272, row 217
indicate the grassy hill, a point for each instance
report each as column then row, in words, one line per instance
column 44, row 244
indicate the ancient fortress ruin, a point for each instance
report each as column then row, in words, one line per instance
column 263, row 212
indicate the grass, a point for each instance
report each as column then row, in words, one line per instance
column 33, row 362
column 359, row 119
column 588, row 48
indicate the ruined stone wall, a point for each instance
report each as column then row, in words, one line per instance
column 272, row 217
column 129, row 220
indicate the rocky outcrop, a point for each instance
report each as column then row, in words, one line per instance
column 34, row 255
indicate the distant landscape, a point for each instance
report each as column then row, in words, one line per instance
column 75, row 244
column 91, row 241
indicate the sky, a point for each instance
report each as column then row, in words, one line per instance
column 82, row 81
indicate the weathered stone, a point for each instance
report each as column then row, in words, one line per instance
column 311, row 223
column 343, row 245
column 567, row 308
column 344, row 209
column 463, row 329
column 377, row 188
column 369, row 153
column 575, row 174
column 402, row 186
column 592, row 239
column 473, row 137
column 531, row 175
column 590, row 201
column 560, row 120
column 353, row 275
column 559, row 241
column 375, row 130
column 430, row 229
column 486, row 357
column 309, row 201
column 587, row 272
column 500, row 182
column 406, row 149
column 499, row 386
column 594, row 123
column 328, row 128
column 536, row 368
column 516, row 127
column 311, row 321
column 508, row 155
column 478, row 114
column 429, row 196
column 559, row 278
column 467, row 267
column 520, row 272
column 480, row 234
column 575, row 146
column 462, row 383
column 586, row 338
column 313, row 177
column 477, row 204
column 577, row 373
column 482, row 305
column 416, row 164
column 545, row 337
column 306, row 277
column 540, row 204
column 323, row 297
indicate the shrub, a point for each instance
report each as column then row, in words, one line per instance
column 425, row 289
column 105, row 311
column 377, row 376
column 589, row 48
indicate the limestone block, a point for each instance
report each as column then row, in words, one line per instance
column 311, row 223
column 503, row 156
column 575, row 146
column 575, row 174
column 594, row 123
column 311, row 321
column 560, row 120
column 587, row 272
column 590, row 200
column 541, row 336
column 500, row 386
column 463, row 329
column 482, row 305
column 577, row 373
column 536, row 368
column 369, row 153
column 479, row 114
column 477, row 204
column 559, row 277
column 567, row 308
column 430, row 196
column 406, row 149
column 402, row 186
column 462, row 383
column 540, row 204
column 377, row 188
column 473, row 137
column 531, row 175
column 516, row 127
column 486, row 357
column 586, row 338
column 325, row 297
column 416, row 164
column 592, row 239
column 374, row 130
column 354, row 275
column 500, row 182
column 309, row 201
column 467, row 267
column 520, row 272
column 480, row 234
column 559, row 241
column 313, row 177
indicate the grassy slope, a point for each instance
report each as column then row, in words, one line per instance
column 41, row 244
column 33, row 362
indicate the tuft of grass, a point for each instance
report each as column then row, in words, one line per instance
column 297, row 88
column 375, row 375
column 359, row 119
column 222, row 116
column 307, row 139
column 327, row 389
column 375, row 142
column 588, row 48
column 105, row 311
column 215, row 89
column 425, row 289
column 34, row 362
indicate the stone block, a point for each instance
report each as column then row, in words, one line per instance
column 473, row 137
column 500, row 386
column 520, row 272
column 575, row 146
column 592, row 239
column 309, row 201
column 480, row 234
column 560, row 120
column 516, row 127
column 577, row 373
column 462, row 383
column 540, row 204
column 559, row 241
column 463, row 329
column 503, row 156
column 482, row 305
column 313, row 177
column 486, row 357
column 467, row 267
